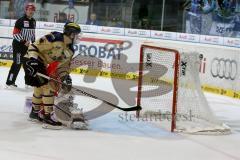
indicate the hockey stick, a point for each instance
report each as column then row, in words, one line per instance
column 79, row 53
column 67, row 113
column 135, row 108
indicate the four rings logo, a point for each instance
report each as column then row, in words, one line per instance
column 224, row 68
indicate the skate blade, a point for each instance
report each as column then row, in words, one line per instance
column 10, row 88
column 16, row 89
column 33, row 120
column 47, row 126
column 79, row 126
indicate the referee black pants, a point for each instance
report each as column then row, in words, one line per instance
column 19, row 50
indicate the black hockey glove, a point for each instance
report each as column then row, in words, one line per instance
column 67, row 84
column 33, row 66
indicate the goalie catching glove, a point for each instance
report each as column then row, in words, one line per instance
column 33, row 66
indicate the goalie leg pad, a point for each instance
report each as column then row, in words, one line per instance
column 77, row 119
column 67, row 112
column 78, row 124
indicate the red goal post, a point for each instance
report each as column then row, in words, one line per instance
column 144, row 59
column 169, row 88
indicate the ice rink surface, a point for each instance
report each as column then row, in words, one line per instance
column 110, row 138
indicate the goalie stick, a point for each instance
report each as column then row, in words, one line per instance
column 135, row 108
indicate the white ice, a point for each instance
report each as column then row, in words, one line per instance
column 109, row 137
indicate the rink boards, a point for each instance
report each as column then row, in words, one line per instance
column 117, row 55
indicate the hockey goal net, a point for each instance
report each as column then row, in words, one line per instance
column 169, row 91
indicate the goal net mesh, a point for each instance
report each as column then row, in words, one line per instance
column 170, row 92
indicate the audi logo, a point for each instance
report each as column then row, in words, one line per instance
column 224, row 68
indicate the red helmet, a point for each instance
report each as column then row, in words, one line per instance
column 30, row 6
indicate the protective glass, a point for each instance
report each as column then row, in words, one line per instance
column 77, row 38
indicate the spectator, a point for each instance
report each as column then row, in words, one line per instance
column 144, row 23
column 93, row 20
column 115, row 22
column 62, row 17
column 16, row 8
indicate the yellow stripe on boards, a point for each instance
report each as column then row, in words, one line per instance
column 134, row 76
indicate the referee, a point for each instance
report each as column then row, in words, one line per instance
column 23, row 35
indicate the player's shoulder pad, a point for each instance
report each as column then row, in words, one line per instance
column 54, row 36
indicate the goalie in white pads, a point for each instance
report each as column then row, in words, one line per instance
column 68, row 112
column 48, row 55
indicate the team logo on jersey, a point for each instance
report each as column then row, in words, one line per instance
column 26, row 24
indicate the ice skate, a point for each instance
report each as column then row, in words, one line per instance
column 35, row 116
column 11, row 86
column 28, row 88
column 15, row 87
column 50, row 122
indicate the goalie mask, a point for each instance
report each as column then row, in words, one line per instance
column 73, row 31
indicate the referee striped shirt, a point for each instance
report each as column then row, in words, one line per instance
column 24, row 30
